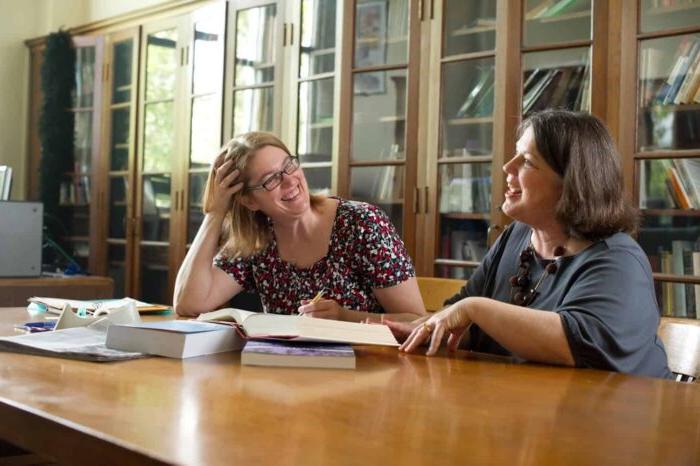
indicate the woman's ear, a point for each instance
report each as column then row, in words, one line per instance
column 249, row 202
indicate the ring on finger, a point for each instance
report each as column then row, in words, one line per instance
column 428, row 327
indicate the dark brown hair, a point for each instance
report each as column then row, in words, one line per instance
column 579, row 148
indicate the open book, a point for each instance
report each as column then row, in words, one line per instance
column 300, row 328
column 55, row 305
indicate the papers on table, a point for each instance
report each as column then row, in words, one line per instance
column 76, row 340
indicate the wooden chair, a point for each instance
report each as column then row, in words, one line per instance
column 681, row 338
column 436, row 290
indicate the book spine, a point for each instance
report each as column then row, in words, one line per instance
column 683, row 80
column 677, row 268
column 696, row 272
column 666, row 287
column 690, row 309
column 679, row 195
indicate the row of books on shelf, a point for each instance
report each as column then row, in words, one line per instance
column 387, row 184
column 564, row 87
column 479, row 101
column 466, row 194
column 683, row 83
column 679, row 299
column 463, row 245
column 672, row 3
column 75, row 192
column 553, row 8
column 682, row 182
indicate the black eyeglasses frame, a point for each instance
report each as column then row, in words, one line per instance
column 291, row 164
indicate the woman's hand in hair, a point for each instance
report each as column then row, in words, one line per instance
column 224, row 182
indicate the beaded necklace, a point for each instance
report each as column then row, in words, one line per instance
column 522, row 292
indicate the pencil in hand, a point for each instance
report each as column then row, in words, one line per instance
column 318, row 296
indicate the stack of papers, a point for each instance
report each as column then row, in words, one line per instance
column 55, row 305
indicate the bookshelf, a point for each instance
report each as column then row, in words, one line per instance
column 662, row 144
column 412, row 105
column 78, row 215
column 117, row 176
column 381, row 46
column 459, row 151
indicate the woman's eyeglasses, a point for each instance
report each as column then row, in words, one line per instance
column 271, row 182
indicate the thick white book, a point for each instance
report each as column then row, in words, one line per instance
column 174, row 338
column 298, row 354
column 300, row 328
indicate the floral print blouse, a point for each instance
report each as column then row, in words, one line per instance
column 365, row 252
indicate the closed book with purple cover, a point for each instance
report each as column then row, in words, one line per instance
column 298, row 354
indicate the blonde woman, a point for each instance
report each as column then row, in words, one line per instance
column 264, row 232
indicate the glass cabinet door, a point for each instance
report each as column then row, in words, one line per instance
column 121, row 99
column 380, row 67
column 162, row 58
column 255, row 67
column 548, row 22
column 667, row 152
column 77, row 214
column 205, row 100
column 316, row 86
column 557, row 44
column 465, row 141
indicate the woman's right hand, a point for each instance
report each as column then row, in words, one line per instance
column 225, row 182
column 402, row 330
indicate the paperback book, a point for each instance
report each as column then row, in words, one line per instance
column 298, row 354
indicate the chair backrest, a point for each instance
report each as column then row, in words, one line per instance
column 5, row 182
column 436, row 290
column 681, row 338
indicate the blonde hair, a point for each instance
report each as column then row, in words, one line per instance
column 245, row 232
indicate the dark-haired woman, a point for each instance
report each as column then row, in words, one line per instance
column 565, row 283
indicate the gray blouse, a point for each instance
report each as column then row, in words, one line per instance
column 604, row 296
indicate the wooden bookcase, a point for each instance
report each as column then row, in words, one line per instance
column 409, row 104
column 660, row 142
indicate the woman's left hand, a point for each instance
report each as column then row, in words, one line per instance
column 323, row 309
column 452, row 321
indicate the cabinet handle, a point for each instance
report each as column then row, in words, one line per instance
column 291, row 33
column 416, row 200
column 432, row 9
column 136, row 229
column 420, row 10
column 182, row 199
column 284, row 35
column 187, row 55
column 426, row 199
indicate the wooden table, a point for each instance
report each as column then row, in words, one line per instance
column 394, row 409
column 15, row 291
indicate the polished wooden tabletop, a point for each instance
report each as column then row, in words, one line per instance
column 393, row 409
